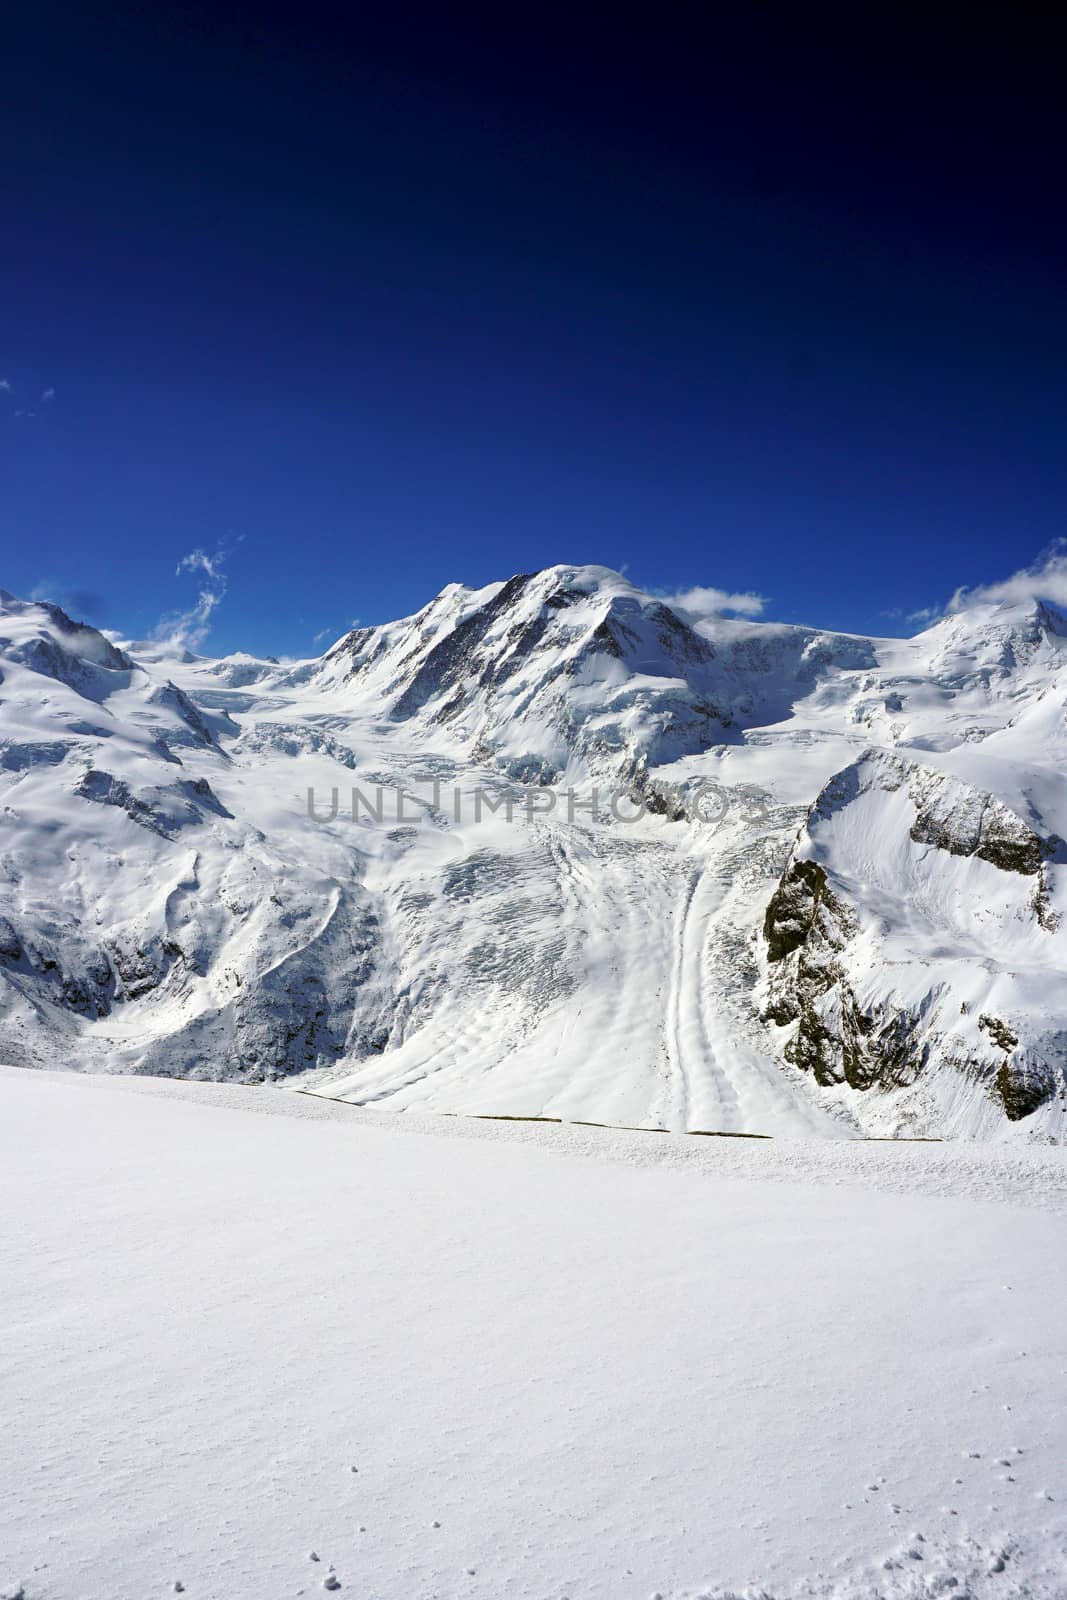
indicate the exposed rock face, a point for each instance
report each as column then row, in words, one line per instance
column 864, row 1013
column 835, row 1039
column 999, row 1032
column 457, row 657
column 1024, row 1081
column 801, row 900
column 969, row 823
column 10, row 944
column 162, row 810
column 1025, row 1086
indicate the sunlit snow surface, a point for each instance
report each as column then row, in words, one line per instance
column 258, row 1345
column 169, row 907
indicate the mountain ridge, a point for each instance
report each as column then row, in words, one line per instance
column 169, row 905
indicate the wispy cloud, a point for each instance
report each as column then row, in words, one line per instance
column 925, row 615
column 187, row 630
column 704, row 601
column 46, row 397
column 197, row 561
column 1046, row 579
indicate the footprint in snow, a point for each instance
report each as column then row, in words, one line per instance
column 331, row 1581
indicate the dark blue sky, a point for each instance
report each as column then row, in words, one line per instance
column 383, row 297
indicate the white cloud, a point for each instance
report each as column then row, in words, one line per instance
column 47, row 395
column 5, row 385
column 702, row 601
column 197, row 561
column 187, row 630
column 1046, row 579
column 925, row 615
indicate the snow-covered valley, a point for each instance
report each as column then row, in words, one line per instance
column 259, row 1344
column 822, row 892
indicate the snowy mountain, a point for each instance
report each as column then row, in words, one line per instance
column 574, row 670
column 821, row 890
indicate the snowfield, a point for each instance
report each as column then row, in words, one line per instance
column 248, row 1355
column 859, row 929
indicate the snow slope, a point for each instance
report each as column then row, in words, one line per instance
column 260, row 1355
column 168, row 905
column 916, row 914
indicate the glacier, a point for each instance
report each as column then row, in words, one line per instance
column 861, row 936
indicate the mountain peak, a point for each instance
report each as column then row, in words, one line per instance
column 996, row 635
column 587, row 579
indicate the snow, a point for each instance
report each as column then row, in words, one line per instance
column 258, row 1343
column 941, row 933
column 544, row 966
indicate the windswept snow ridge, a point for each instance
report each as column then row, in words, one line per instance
column 571, row 884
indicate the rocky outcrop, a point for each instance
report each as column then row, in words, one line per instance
column 801, row 901
column 863, row 1013
column 163, row 810
column 1024, row 1086
column 806, row 928
column 966, row 822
